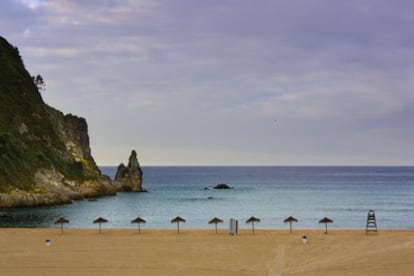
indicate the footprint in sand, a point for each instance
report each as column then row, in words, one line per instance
column 279, row 261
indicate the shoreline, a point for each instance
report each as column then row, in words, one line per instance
column 203, row 252
column 206, row 229
column 220, row 231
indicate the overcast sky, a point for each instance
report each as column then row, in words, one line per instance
column 227, row 82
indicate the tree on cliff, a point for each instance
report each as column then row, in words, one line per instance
column 39, row 82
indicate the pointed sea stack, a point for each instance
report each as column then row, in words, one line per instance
column 130, row 178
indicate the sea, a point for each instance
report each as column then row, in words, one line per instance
column 344, row 194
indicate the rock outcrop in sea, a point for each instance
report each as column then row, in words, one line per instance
column 130, row 178
column 222, row 186
column 45, row 155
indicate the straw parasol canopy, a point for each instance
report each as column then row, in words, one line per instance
column 138, row 221
column 61, row 221
column 290, row 219
column 100, row 220
column 252, row 220
column 178, row 220
column 326, row 221
column 215, row 221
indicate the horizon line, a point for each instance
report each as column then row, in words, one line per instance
column 264, row 165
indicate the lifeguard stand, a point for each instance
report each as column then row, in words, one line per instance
column 371, row 222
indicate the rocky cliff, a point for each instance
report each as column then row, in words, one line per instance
column 45, row 157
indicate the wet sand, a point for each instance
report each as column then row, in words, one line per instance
column 203, row 252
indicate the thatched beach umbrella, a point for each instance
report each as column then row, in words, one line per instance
column 290, row 219
column 326, row 221
column 252, row 220
column 61, row 221
column 138, row 221
column 178, row 220
column 215, row 221
column 100, row 220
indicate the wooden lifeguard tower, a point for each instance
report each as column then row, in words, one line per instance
column 371, row 222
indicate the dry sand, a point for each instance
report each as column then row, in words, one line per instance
column 202, row 252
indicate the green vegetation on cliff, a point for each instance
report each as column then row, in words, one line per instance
column 29, row 130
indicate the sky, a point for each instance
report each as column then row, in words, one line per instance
column 227, row 82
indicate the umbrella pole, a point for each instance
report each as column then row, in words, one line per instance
column 99, row 228
column 326, row 228
column 216, row 227
column 290, row 223
column 61, row 228
column 139, row 228
column 178, row 227
column 253, row 227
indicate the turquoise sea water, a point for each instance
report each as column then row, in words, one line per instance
column 344, row 194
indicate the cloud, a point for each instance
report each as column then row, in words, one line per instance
column 210, row 75
column 331, row 95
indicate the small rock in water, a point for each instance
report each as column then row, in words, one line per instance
column 222, row 186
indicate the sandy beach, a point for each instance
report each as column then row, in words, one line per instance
column 203, row 252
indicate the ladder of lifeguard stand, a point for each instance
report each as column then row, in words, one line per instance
column 371, row 222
